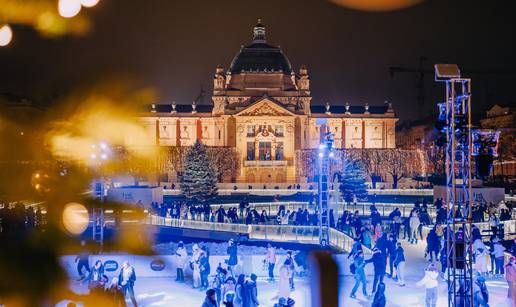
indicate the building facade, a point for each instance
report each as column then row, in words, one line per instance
column 264, row 110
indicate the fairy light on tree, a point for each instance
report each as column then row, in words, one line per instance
column 6, row 35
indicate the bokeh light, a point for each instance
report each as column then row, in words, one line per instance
column 69, row 8
column 6, row 35
column 75, row 218
column 376, row 5
column 89, row 3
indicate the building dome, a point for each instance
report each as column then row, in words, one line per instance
column 260, row 56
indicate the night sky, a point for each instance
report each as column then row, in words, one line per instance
column 175, row 46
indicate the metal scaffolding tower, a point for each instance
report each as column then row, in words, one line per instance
column 455, row 115
column 325, row 155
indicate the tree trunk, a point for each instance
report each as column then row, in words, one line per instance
column 395, row 179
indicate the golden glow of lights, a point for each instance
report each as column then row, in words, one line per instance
column 75, row 218
column 69, row 8
column 89, row 3
column 6, row 35
column 376, row 5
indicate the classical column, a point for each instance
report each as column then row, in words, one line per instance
column 363, row 134
column 273, row 150
column 256, row 150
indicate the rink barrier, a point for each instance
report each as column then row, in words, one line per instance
column 276, row 233
column 509, row 228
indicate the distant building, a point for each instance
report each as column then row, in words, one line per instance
column 264, row 109
column 503, row 118
column 414, row 134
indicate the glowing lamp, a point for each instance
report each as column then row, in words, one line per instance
column 331, row 155
column 69, row 8
column 103, row 146
column 6, row 35
column 93, row 156
column 75, row 218
column 103, row 156
column 321, row 146
column 321, row 155
column 89, row 3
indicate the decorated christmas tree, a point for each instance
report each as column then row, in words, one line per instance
column 198, row 181
column 352, row 179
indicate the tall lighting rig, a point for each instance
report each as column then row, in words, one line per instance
column 455, row 124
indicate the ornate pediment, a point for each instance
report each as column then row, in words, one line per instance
column 265, row 107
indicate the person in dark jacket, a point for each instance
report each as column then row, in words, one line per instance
column 250, row 297
column 399, row 263
column 290, row 263
column 379, row 296
column 96, row 278
column 357, row 247
column 209, row 300
column 233, row 255
column 433, row 244
column 126, row 280
column 395, row 218
column 114, row 291
column 379, row 263
column 204, row 268
column 391, row 250
column 82, row 260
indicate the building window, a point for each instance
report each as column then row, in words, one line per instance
column 265, row 151
column 250, row 151
column 278, row 130
column 251, row 131
column 219, row 134
column 279, row 151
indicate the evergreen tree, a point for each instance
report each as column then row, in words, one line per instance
column 352, row 179
column 198, row 182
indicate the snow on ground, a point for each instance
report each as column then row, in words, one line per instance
column 165, row 292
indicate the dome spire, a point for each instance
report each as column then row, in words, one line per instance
column 259, row 32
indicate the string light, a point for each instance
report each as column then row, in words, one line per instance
column 69, row 8
column 6, row 35
column 89, row 3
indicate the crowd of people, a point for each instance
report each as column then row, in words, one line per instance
column 17, row 218
column 223, row 286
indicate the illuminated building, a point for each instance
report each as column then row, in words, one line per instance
column 264, row 109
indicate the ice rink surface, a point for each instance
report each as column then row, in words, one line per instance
column 166, row 292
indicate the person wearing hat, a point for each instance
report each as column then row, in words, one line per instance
column 430, row 282
column 379, row 261
column 510, row 276
column 209, row 300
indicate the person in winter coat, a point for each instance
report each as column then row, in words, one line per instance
column 250, row 297
column 395, row 218
column 406, row 228
column 284, row 284
column 414, row 226
column 239, row 291
column 377, row 232
column 232, row 251
column 290, row 263
column 391, row 251
column 510, row 276
column 228, row 293
column 195, row 266
column 480, row 293
column 126, row 280
column 498, row 253
column 209, row 300
column 430, row 283
column 399, row 263
column 270, row 260
column 95, row 277
column 204, row 269
column 379, row 299
column 379, row 263
column 359, row 274
column 181, row 259
column 433, row 245
column 357, row 247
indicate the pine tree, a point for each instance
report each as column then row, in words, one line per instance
column 352, row 179
column 198, row 182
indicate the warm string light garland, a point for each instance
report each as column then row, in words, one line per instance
column 65, row 8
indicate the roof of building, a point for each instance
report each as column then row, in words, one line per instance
column 180, row 108
column 352, row 109
column 259, row 56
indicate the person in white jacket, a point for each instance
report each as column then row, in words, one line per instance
column 414, row 223
column 430, row 283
